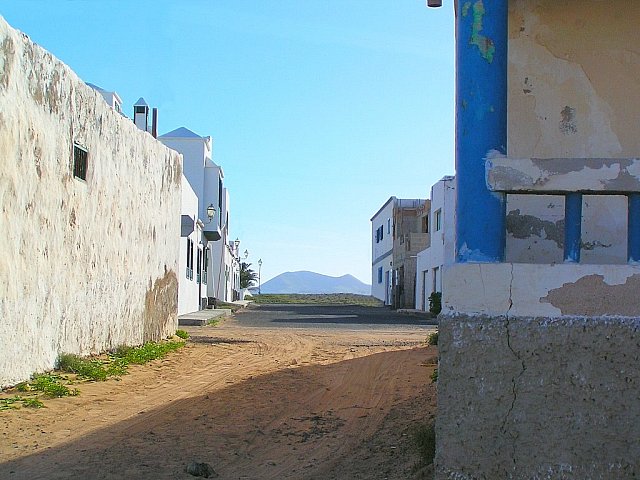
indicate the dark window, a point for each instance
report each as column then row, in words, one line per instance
column 425, row 224
column 80, row 160
column 189, row 259
column 205, row 265
column 199, row 266
column 139, row 109
column 438, row 220
column 381, row 232
column 379, row 274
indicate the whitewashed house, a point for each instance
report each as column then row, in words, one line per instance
column 203, row 261
column 112, row 98
column 441, row 251
column 397, row 236
column 382, row 252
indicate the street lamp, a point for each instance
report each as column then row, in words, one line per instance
column 259, row 268
column 211, row 212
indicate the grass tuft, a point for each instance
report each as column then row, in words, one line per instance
column 144, row 353
column 432, row 339
column 182, row 334
column 55, row 385
column 52, row 386
column 84, row 368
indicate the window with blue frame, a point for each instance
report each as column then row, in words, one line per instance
column 379, row 274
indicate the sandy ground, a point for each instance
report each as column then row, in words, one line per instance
column 268, row 403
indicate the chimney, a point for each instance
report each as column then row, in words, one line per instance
column 154, row 123
column 141, row 114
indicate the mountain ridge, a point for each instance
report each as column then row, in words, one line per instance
column 305, row 281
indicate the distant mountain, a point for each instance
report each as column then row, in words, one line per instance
column 310, row 282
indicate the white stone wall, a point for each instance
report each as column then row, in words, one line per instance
column 189, row 292
column 84, row 265
column 441, row 251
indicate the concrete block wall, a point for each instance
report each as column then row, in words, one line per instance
column 535, row 398
column 84, row 265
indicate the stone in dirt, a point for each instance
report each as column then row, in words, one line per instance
column 198, row 469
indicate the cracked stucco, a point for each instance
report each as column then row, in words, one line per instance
column 521, row 288
column 563, row 174
column 539, row 398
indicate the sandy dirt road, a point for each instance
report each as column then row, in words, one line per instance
column 317, row 394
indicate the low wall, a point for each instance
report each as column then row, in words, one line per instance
column 538, row 398
column 84, row 265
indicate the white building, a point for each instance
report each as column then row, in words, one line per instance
column 206, row 262
column 431, row 261
column 382, row 252
column 112, row 98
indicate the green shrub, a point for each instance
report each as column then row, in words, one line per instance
column 435, row 303
column 16, row 400
column 182, row 334
column 9, row 403
column 32, row 403
column 434, row 376
column 91, row 369
column 51, row 386
column 432, row 339
column 144, row 353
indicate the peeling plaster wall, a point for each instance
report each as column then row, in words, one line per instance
column 574, row 92
column 604, row 229
column 535, row 228
column 84, row 266
column 553, row 291
column 533, row 398
column 574, row 85
column 538, row 374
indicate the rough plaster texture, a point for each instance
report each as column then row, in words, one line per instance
column 527, row 290
column 563, row 174
column 535, row 228
column 534, row 398
column 538, row 374
column 84, row 266
column 574, row 85
column 573, row 116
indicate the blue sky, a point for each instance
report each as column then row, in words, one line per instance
column 320, row 110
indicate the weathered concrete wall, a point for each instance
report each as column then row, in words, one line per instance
column 533, row 398
column 574, row 79
column 574, row 92
column 519, row 289
column 84, row 266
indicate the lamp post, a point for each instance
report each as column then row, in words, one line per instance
column 259, row 268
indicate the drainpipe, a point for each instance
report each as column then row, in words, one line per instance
column 481, row 127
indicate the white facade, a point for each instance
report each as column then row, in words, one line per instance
column 441, row 252
column 112, row 98
column 382, row 252
column 206, row 179
column 192, row 276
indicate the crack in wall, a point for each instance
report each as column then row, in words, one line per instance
column 515, row 379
